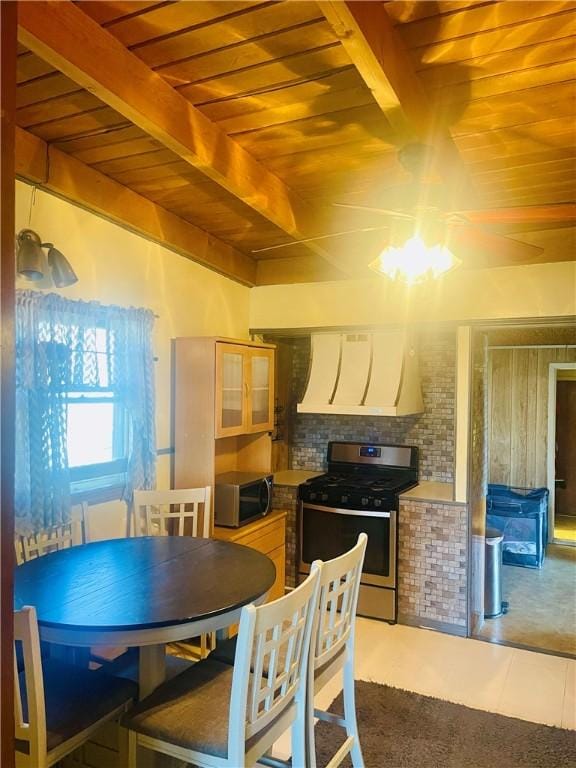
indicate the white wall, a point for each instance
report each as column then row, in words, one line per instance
column 535, row 291
column 115, row 266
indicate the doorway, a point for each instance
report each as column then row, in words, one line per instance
column 562, row 453
column 529, row 426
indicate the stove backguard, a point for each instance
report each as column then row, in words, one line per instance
column 400, row 461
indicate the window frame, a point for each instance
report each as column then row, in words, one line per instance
column 98, row 482
column 102, row 481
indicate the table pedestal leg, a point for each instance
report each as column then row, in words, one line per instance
column 151, row 668
column 79, row 657
column 222, row 635
column 63, row 653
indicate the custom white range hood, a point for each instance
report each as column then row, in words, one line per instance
column 363, row 374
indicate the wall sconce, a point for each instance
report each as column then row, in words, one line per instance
column 33, row 265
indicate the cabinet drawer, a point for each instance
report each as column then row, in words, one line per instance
column 265, row 540
column 265, row 534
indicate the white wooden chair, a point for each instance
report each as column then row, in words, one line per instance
column 332, row 648
column 29, row 547
column 187, row 717
column 179, row 512
column 58, row 707
column 53, row 539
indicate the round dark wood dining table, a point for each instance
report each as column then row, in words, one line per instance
column 143, row 591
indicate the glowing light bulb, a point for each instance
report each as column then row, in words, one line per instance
column 415, row 262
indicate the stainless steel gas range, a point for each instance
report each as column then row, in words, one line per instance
column 358, row 493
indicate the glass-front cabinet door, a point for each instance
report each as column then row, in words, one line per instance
column 261, row 390
column 231, row 390
column 244, row 389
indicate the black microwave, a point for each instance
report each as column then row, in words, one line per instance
column 241, row 497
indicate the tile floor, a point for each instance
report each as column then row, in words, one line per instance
column 542, row 605
column 496, row 678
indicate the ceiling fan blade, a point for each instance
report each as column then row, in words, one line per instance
column 321, row 237
column 478, row 248
column 386, row 211
column 527, row 214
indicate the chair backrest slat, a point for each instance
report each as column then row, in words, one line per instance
column 52, row 539
column 30, row 720
column 179, row 512
column 339, row 587
column 273, row 642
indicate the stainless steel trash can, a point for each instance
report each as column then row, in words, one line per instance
column 493, row 574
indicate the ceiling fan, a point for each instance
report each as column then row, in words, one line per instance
column 423, row 208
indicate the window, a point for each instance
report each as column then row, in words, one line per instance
column 84, row 405
column 100, row 461
column 96, row 436
column 96, row 439
column 100, row 416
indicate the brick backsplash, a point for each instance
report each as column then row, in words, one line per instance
column 432, row 575
column 432, row 431
column 286, row 497
column 432, row 580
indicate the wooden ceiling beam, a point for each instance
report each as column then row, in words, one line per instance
column 383, row 61
column 69, row 40
column 69, row 178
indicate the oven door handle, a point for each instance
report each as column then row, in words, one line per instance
column 352, row 512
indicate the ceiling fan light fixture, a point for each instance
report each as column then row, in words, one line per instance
column 414, row 262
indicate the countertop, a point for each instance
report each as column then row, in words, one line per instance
column 424, row 491
column 431, row 491
column 294, row 477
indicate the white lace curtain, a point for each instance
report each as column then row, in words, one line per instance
column 63, row 346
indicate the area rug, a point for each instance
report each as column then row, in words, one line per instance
column 400, row 729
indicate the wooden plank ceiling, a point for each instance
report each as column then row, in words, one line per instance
column 289, row 115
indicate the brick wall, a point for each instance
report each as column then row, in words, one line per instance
column 432, row 431
column 432, row 578
column 286, row 497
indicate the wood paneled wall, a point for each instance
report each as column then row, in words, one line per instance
column 518, row 413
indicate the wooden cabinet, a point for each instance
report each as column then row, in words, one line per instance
column 260, row 363
column 223, row 408
column 231, row 386
column 267, row 535
column 244, row 389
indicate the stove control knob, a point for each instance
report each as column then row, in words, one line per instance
column 312, row 494
column 324, row 497
column 377, row 502
column 344, row 498
column 364, row 501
